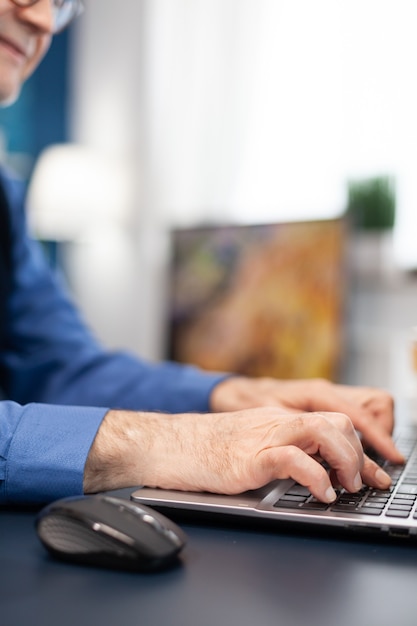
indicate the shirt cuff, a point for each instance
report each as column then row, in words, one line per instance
column 48, row 452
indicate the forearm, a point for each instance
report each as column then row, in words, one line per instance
column 152, row 449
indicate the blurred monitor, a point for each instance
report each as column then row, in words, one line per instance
column 259, row 300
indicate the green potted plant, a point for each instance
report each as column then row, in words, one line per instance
column 371, row 206
column 371, row 203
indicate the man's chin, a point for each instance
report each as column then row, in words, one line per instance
column 8, row 96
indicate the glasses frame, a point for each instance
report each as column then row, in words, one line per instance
column 57, row 6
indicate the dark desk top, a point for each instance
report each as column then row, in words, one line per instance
column 228, row 577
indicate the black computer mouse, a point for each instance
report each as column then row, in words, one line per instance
column 111, row 532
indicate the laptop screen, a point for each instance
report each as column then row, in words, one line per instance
column 259, row 300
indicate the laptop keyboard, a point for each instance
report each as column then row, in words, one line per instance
column 399, row 501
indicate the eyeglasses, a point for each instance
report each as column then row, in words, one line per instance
column 63, row 11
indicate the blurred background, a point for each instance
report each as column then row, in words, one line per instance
column 154, row 114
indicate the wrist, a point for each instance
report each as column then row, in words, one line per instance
column 118, row 452
column 235, row 393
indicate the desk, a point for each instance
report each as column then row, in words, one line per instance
column 228, row 577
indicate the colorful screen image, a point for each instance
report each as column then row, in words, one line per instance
column 259, row 300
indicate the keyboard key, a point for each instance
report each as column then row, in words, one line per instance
column 353, row 502
column 405, row 496
column 287, row 504
column 409, row 503
column 369, row 511
column 314, row 505
column 339, row 506
column 381, row 493
column 298, row 490
column 407, row 488
column 400, row 507
column 293, row 498
column 396, row 513
column 373, row 505
column 357, row 511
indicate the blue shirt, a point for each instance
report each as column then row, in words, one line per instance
column 58, row 381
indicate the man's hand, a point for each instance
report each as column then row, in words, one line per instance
column 229, row 452
column 371, row 410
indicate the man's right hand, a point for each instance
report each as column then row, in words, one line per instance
column 229, row 452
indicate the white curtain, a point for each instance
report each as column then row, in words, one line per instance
column 245, row 114
column 264, row 108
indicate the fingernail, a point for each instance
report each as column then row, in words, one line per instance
column 330, row 495
column 382, row 478
column 357, row 483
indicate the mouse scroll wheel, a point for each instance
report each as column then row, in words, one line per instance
column 150, row 520
column 137, row 511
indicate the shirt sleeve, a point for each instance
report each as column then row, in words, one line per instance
column 43, row 449
column 59, row 382
column 51, row 356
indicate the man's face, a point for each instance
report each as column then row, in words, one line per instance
column 25, row 36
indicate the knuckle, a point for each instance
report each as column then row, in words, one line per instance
column 318, row 420
column 347, row 422
column 290, row 454
column 344, row 422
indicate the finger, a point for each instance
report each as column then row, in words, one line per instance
column 346, row 427
column 373, row 475
column 376, row 433
column 333, row 438
column 292, row 462
column 378, row 439
column 344, row 454
column 376, row 402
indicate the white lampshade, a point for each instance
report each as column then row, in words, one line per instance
column 74, row 189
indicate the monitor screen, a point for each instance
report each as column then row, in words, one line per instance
column 259, row 300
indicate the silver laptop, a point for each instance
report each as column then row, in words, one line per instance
column 390, row 513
